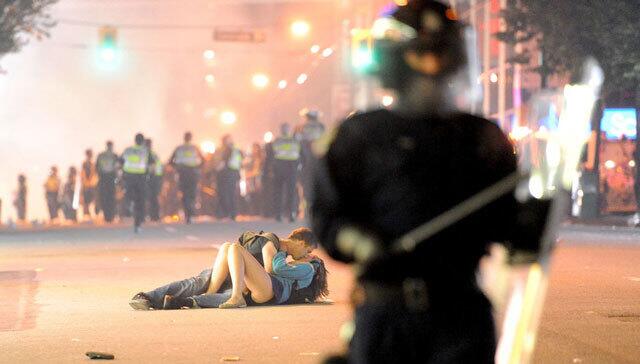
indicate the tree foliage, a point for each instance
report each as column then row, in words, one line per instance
column 567, row 31
column 21, row 20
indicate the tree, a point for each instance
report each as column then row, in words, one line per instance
column 567, row 31
column 21, row 20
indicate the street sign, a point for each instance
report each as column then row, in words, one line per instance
column 239, row 35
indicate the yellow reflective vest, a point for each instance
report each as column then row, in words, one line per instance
column 136, row 160
column 286, row 149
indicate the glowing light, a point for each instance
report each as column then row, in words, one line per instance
column 300, row 28
column 260, row 80
column 108, row 54
column 387, row 100
column 519, row 132
column 210, row 79
column 302, row 78
column 283, row 84
column 268, row 137
column 493, row 78
column 209, row 55
column 362, row 58
column 228, row 117
column 632, row 163
column 208, row 147
column 315, row 49
column 243, row 187
column 401, row 2
column 610, row 164
column 327, row 52
column 536, row 186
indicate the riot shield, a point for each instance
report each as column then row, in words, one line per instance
column 550, row 141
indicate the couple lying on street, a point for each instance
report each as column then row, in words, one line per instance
column 252, row 271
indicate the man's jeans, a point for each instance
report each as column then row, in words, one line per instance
column 193, row 287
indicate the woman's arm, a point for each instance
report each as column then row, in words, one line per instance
column 268, row 253
column 297, row 272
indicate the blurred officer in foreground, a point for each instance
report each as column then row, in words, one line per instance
column 135, row 165
column 52, row 194
column 286, row 155
column 188, row 159
column 107, row 166
column 388, row 172
column 154, row 183
column 228, row 178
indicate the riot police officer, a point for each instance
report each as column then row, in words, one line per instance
column 387, row 172
column 188, row 159
column 107, row 166
column 228, row 178
column 135, row 165
column 308, row 133
column 286, row 155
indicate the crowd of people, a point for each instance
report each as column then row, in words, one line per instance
column 270, row 180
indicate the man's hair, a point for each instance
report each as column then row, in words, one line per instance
column 139, row 139
column 305, row 235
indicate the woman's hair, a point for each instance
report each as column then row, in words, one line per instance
column 318, row 287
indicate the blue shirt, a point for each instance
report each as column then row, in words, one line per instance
column 288, row 274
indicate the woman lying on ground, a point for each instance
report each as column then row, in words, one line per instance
column 262, row 246
column 300, row 281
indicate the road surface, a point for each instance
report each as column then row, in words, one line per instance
column 65, row 292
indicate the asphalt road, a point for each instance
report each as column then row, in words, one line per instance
column 65, row 292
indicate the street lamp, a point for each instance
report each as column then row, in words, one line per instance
column 282, row 84
column 300, row 28
column 208, row 147
column 302, row 78
column 209, row 55
column 228, row 117
column 268, row 137
column 260, row 80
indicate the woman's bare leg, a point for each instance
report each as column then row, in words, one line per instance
column 220, row 269
column 246, row 272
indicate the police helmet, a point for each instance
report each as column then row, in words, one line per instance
column 420, row 26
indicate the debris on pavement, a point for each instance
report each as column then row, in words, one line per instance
column 230, row 358
column 95, row 355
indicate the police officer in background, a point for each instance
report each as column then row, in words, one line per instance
column 387, row 172
column 107, row 166
column 286, row 155
column 228, row 178
column 308, row 133
column 135, row 165
column 188, row 159
column 154, row 183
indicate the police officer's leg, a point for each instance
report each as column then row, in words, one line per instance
column 139, row 199
column 109, row 205
column 233, row 194
column 190, row 193
column 279, row 181
column 52, row 204
column 291, row 205
column 153, row 203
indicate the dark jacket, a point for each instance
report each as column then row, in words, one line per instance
column 387, row 174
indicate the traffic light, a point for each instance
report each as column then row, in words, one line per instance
column 108, row 44
column 362, row 50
